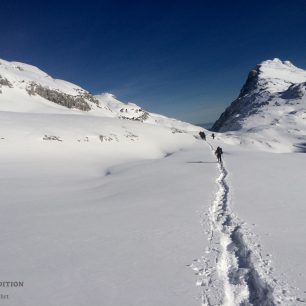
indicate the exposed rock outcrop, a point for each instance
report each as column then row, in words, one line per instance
column 70, row 101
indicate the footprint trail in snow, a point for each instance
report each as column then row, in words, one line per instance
column 233, row 271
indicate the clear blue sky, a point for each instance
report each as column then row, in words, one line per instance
column 185, row 59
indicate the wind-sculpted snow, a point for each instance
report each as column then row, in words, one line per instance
column 112, row 223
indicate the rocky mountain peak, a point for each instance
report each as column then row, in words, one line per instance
column 272, row 100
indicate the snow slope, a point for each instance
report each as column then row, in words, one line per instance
column 111, row 228
column 79, row 230
column 270, row 111
column 87, row 213
column 259, row 218
column 25, row 88
column 103, row 203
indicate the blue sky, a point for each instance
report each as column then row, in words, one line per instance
column 184, row 59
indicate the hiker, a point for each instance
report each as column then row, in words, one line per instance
column 202, row 135
column 213, row 136
column 218, row 153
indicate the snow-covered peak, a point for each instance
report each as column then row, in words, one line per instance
column 109, row 100
column 22, row 75
column 27, row 89
column 276, row 75
column 271, row 107
column 276, row 61
column 18, row 66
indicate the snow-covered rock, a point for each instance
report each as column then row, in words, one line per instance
column 25, row 88
column 271, row 107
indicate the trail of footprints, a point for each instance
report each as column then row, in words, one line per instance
column 233, row 271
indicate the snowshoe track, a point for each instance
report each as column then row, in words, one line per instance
column 233, row 271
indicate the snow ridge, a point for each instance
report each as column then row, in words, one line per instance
column 237, row 264
column 27, row 89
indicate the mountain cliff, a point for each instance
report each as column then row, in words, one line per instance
column 271, row 105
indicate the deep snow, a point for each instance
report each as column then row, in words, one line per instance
column 117, row 206
column 79, row 231
column 256, row 251
column 84, row 228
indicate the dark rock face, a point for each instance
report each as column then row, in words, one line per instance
column 295, row 91
column 273, row 83
column 63, row 99
column 141, row 118
column 251, row 82
column 86, row 95
column 252, row 97
column 5, row 82
column 242, row 106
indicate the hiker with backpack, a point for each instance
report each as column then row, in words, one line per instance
column 202, row 135
column 219, row 153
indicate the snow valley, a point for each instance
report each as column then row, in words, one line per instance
column 104, row 203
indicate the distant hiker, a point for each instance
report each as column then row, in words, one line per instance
column 218, row 153
column 202, row 135
column 213, row 136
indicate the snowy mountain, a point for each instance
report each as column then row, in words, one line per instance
column 270, row 109
column 25, row 88
column 118, row 206
column 38, row 108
